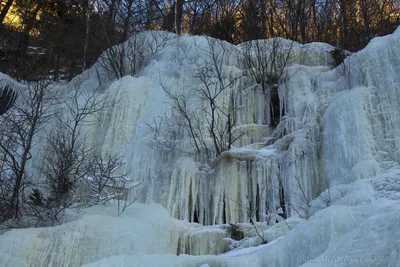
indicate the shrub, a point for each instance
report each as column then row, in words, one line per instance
column 233, row 230
column 339, row 55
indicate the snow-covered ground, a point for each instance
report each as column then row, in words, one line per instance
column 337, row 160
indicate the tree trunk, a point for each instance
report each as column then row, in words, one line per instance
column 303, row 21
column 345, row 24
column 85, row 48
column 5, row 10
column 168, row 19
column 30, row 22
column 125, row 29
column 263, row 18
column 150, row 14
column 111, row 11
column 110, row 21
column 271, row 20
column 178, row 15
column 57, row 68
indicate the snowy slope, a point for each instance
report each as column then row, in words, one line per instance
column 338, row 149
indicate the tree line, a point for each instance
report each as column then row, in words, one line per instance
column 64, row 37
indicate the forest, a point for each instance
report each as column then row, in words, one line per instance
column 61, row 38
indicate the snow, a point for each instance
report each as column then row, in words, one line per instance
column 209, row 240
column 334, row 159
column 7, row 80
column 388, row 184
column 143, row 229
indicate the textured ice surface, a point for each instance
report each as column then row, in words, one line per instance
column 334, row 157
column 185, row 189
column 142, row 229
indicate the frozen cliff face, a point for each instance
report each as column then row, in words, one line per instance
column 304, row 144
column 333, row 159
column 263, row 179
column 368, row 137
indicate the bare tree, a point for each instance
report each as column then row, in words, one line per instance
column 164, row 134
column 136, row 53
column 216, row 81
column 104, row 180
column 66, row 156
column 187, row 118
column 19, row 128
column 256, row 216
column 124, row 199
column 87, row 6
column 68, row 163
column 265, row 61
column 211, row 103
column 329, row 196
column 300, row 201
column 251, row 210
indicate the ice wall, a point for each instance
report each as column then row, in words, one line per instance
column 252, row 179
column 367, row 115
column 338, row 135
column 302, row 163
column 209, row 240
column 219, row 190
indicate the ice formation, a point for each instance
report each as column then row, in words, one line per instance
column 333, row 159
column 8, row 92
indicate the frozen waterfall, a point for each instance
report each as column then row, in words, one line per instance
column 331, row 165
